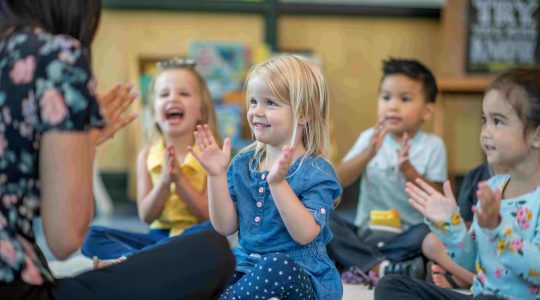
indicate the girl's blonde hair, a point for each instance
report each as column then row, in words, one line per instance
column 208, row 115
column 296, row 81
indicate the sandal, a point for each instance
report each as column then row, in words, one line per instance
column 447, row 275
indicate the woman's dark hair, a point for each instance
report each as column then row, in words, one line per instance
column 76, row 18
column 521, row 88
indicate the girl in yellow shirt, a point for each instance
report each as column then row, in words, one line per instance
column 171, row 184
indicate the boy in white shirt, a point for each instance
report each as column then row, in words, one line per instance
column 386, row 157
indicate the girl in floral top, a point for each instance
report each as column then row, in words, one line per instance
column 503, row 244
column 50, row 123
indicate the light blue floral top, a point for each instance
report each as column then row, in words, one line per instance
column 261, row 228
column 45, row 84
column 506, row 260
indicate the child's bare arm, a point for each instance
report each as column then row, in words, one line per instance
column 408, row 170
column 215, row 161
column 196, row 201
column 348, row 171
column 150, row 198
column 221, row 207
column 297, row 219
column 410, row 173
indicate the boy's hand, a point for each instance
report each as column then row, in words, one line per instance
column 432, row 204
column 281, row 166
column 213, row 159
column 377, row 139
column 403, row 152
column 488, row 214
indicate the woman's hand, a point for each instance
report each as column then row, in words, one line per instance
column 431, row 203
column 213, row 159
column 113, row 104
column 281, row 166
column 488, row 214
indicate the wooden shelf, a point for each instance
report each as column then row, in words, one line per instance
column 474, row 84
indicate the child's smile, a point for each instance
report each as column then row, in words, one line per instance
column 177, row 104
column 260, row 125
column 270, row 119
column 174, row 115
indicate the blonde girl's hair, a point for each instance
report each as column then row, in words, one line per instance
column 296, row 81
column 208, row 115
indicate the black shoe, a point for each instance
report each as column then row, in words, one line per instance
column 414, row 268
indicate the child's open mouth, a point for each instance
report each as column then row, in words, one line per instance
column 174, row 115
column 489, row 149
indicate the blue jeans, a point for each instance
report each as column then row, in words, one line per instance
column 109, row 243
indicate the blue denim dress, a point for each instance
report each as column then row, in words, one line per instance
column 261, row 228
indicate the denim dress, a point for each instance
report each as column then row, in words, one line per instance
column 261, row 228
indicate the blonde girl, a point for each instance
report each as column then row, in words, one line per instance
column 277, row 193
column 171, row 184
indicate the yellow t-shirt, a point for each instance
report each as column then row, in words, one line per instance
column 175, row 215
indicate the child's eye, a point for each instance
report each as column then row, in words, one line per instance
column 271, row 103
column 252, row 102
column 185, row 94
column 498, row 121
column 406, row 99
column 386, row 97
column 483, row 120
column 163, row 95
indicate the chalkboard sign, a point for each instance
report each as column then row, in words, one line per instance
column 503, row 34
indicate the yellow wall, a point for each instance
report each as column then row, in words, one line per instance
column 351, row 49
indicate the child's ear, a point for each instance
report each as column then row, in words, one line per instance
column 429, row 110
column 303, row 121
column 536, row 138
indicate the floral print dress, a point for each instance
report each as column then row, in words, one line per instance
column 45, row 84
column 506, row 259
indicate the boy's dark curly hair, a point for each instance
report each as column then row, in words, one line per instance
column 414, row 70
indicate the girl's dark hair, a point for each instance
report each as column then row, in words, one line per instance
column 521, row 88
column 76, row 18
